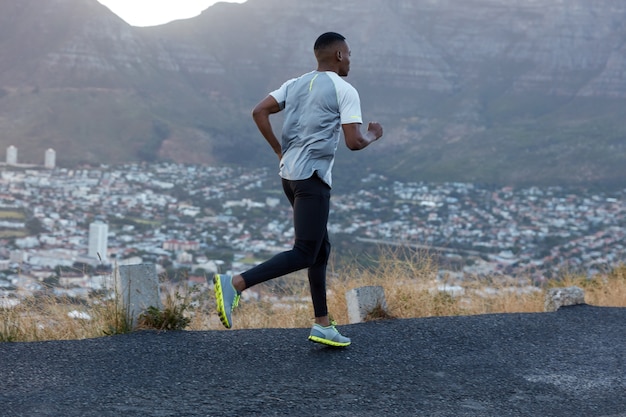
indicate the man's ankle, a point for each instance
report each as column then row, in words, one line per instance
column 238, row 283
column 323, row 321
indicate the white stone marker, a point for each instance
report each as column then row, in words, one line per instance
column 137, row 286
column 363, row 300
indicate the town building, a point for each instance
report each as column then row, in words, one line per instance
column 98, row 241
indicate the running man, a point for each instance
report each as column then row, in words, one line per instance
column 317, row 107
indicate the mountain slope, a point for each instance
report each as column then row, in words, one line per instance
column 522, row 92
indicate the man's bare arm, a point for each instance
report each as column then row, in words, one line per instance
column 356, row 140
column 261, row 115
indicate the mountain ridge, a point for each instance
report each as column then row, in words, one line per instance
column 529, row 92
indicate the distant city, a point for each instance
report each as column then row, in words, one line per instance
column 66, row 224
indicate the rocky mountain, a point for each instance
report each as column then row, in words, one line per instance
column 496, row 91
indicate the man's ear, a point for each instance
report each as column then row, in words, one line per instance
column 339, row 56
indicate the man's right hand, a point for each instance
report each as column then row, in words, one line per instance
column 376, row 129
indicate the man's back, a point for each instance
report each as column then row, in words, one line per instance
column 315, row 105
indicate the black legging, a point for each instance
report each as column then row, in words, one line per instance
column 310, row 200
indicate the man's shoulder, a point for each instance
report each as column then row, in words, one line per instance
column 337, row 79
column 341, row 85
column 304, row 77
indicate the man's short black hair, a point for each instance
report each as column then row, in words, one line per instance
column 327, row 39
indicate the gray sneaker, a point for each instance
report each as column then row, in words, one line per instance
column 328, row 336
column 226, row 298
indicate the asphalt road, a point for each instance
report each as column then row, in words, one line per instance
column 568, row 363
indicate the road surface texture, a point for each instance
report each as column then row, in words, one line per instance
column 568, row 363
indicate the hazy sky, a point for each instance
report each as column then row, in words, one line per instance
column 156, row 12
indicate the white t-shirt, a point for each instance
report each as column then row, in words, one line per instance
column 316, row 104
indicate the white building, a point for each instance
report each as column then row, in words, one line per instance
column 18, row 256
column 11, row 155
column 50, row 159
column 98, row 241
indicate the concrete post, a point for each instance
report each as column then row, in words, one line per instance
column 363, row 301
column 137, row 287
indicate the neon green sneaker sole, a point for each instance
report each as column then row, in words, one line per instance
column 226, row 298
column 327, row 342
column 329, row 336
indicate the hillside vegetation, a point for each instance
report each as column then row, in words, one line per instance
column 409, row 279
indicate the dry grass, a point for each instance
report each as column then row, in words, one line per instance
column 606, row 289
column 413, row 289
column 48, row 317
column 410, row 280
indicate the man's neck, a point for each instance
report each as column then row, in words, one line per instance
column 324, row 68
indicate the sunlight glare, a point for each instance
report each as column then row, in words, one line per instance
column 158, row 12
